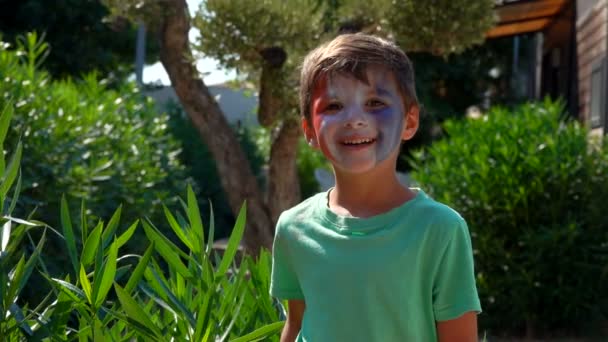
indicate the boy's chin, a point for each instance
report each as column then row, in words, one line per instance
column 355, row 168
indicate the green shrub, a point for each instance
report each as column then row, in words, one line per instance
column 184, row 292
column 86, row 141
column 201, row 168
column 531, row 185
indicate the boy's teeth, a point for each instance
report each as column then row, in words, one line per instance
column 358, row 141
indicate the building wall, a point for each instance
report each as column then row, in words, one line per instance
column 591, row 38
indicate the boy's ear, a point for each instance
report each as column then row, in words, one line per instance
column 412, row 120
column 309, row 134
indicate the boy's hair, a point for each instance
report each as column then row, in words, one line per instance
column 352, row 54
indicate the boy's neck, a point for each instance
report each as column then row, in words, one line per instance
column 367, row 195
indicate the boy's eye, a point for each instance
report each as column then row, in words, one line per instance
column 375, row 103
column 333, row 107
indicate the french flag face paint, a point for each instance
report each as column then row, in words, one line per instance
column 358, row 125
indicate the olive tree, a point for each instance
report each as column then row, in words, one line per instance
column 265, row 41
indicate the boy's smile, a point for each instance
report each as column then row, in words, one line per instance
column 357, row 125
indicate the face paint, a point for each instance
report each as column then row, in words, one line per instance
column 358, row 125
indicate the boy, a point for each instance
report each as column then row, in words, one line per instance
column 370, row 260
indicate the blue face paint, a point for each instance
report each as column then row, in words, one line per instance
column 358, row 125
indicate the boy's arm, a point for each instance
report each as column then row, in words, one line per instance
column 461, row 329
column 295, row 312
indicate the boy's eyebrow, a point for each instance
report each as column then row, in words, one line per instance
column 382, row 91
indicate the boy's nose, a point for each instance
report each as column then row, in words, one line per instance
column 356, row 118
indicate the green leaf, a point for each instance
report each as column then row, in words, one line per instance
column 5, row 235
column 17, row 274
column 179, row 231
column 103, row 281
column 5, row 119
column 194, row 216
column 134, row 311
column 91, row 245
column 233, row 242
column 126, row 236
column 20, row 318
column 139, row 270
column 68, row 233
column 84, row 227
column 211, row 229
column 133, row 325
column 69, row 289
column 16, row 192
column 177, row 305
column 166, row 249
column 86, row 284
column 261, row 333
column 31, row 262
column 108, row 234
column 10, row 173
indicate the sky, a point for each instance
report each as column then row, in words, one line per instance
column 215, row 74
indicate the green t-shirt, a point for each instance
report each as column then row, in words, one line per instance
column 385, row 278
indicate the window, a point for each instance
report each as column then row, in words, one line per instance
column 597, row 103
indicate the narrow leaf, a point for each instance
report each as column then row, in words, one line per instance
column 68, row 233
column 86, row 284
column 167, row 250
column 103, row 285
column 108, row 234
column 5, row 234
column 91, row 245
column 19, row 317
column 194, row 216
column 5, row 119
column 14, row 278
column 126, row 236
column 210, row 239
column 84, row 227
column 10, row 174
column 70, row 289
column 176, row 303
column 233, row 242
column 261, row 333
column 16, row 192
column 179, row 231
column 134, row 311
column 139, row 270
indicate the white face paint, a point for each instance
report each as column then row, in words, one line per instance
column 358, row 125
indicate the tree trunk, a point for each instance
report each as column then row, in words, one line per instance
column 236, row 176
column 283, row 184
column 284, row 189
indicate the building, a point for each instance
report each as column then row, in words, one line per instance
column 568, row 40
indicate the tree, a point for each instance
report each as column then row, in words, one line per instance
column 79, row 40
column 265, row 40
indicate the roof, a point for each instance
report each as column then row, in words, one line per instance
column 525, row 16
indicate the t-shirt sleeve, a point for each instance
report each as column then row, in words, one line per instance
column 284, row 282
column 454, row 288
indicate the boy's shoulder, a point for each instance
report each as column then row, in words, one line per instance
column 305, row 210
column 436, row 214
column 430, row 206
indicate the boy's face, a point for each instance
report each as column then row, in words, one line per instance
column 358, row 125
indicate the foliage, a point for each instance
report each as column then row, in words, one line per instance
column 200, row 166
column 106, row 47
column 186, row 292
column 309, row 160
column 530, row 184
column 16, row 265
column 85, row 141
column 256, row 142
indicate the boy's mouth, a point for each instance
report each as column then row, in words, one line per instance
column 358, row 141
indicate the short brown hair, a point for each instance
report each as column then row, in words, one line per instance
column 352, row 54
